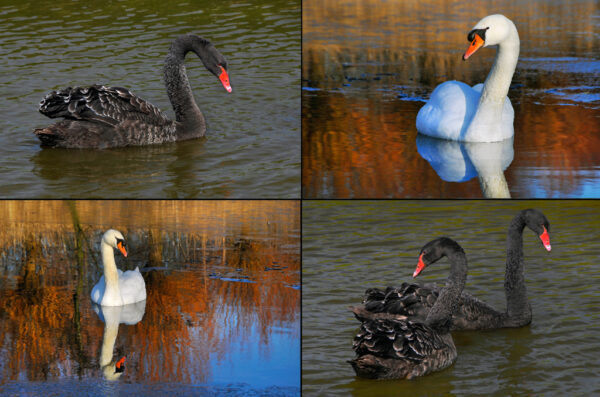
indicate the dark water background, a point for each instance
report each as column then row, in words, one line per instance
column 348, row 247
column 252, row 148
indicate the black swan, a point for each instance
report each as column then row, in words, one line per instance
column 401, row 348
column 415, row 301
column 102, row 117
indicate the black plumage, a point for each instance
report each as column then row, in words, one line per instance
column 99, row 116
column 415, row 301
column 403, row 348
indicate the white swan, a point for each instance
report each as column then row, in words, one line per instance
column 116, row 288
column 482, row 113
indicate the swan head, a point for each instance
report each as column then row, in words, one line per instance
column 114, row 369
column 490, row 31
column 212, row 59
column 434, row 251
column 538, row 222
column 115, row 239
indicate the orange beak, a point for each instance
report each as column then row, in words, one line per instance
column 545, row 239
column 475, row 45
column 224, row 77
column 122, row 249
column 120, row 363
column 420, row 266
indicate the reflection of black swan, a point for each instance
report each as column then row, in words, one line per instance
column 415, row 301
column 402, row 348
column 101, row 117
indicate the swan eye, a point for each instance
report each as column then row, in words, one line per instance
column 121, row 243
column 479, row 32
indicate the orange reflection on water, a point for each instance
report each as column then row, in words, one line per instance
column 366, row 149
column 569, row 142
column 369, row 65
column 205, row 289
column 369, row 153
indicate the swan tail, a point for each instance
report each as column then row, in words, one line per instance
column 372, row 367
column 49, row 136
column 74, row 133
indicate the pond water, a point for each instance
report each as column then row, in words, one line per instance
column 252, row 146
column 222, row 313
column 350, row 246
column 369, row 66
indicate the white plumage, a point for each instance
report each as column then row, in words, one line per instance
column 482, row 113
column 117, row 288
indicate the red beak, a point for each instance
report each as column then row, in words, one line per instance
column 224, row 77
column 545, row 239
column 122, row 249
column 420, row 266
column 120, row 363
column 475, row 45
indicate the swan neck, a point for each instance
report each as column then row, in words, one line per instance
column 187, row 113
column 488, row 115
column 108, row 343
column 447, row 302
column 494, row 185
column 111, row 276
column 517, row 306
column 498, row 80
column 514, row 244
column 458, row 271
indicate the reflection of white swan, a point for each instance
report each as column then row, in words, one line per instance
column 112, row 317
column 490, row 160
column 461, row 161
column 482, row 113
column 116, row 288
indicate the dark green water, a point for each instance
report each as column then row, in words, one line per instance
column 252, row 149
column 351, row 246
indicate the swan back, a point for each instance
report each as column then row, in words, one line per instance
column 132, row 286
column 106, row 105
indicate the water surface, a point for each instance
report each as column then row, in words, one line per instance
column 222, row 313
column 369, row 66
column 252, row 147
column 350, row 246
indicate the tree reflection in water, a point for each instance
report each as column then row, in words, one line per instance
column 191, row 320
